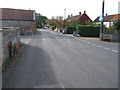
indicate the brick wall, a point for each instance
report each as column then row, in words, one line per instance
column 1, row 50
column 7, row 34
column 26, row 27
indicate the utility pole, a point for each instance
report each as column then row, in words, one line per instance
column 102, row 21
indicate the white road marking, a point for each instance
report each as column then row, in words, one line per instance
column 27, row 41
column 114, row 51
column 100, row 46
column 84, row 41
column 94, row 44
column 88, row 42
column 43, row 39
column 62, row 86
column 106, row 48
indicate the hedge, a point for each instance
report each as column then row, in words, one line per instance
column 70, row 29
column 88, row 30
column 117, row 24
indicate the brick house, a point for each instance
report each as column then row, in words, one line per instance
column 108, row 19
column 24, row 19
column 83, row 18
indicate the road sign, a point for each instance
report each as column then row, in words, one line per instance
column 101, row 18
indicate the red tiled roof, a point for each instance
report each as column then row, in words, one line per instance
column 74, row 17
column 83, row 18
column 109, row 18
column 16, row 14
column 116, row 17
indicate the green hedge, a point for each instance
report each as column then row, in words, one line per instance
column 70, row 29
column 88, row 30
column 117, row 24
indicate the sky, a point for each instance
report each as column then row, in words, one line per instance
column 51, row 8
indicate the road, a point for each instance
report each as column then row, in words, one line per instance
column 52, row 60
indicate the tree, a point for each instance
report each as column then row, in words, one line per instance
column 117, row 24
column 56, row 21
column 40, row 20
column 89, row 23
column 74, row 22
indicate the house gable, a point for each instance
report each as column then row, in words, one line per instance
column 83, row 18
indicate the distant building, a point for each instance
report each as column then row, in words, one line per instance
column 108, row 19
column 83, row 18
column 24, row 19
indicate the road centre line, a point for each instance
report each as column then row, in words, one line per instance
column 98, row 46
column 106, row 48
column 114, row 51
column 94, row 44
column 88, row 42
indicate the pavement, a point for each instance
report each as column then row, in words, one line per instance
column 88, row 38
column 53, row 60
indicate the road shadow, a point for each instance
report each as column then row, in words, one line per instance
column 32, row 69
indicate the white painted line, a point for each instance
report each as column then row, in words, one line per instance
column 100, row 46
column 106, row 48
column 43, row 39
column 115, row 51
column 88, row 42
column 84, row 41
column 94, row 44
column 62, row 86
column 28, row 41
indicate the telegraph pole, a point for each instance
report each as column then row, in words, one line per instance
column 102, row 20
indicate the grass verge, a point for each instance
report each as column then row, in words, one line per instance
column 7, row 63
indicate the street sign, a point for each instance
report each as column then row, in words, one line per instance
column 101, row 18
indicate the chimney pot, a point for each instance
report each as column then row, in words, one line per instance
column 68, row 16
column 106, row 14
column 84, row 12
column 79, row 13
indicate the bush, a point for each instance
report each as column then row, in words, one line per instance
column 53, row 27
column 117, row 24
column 88, row 30
column 70, row 29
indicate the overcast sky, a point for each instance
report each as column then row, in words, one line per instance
column 51, row 8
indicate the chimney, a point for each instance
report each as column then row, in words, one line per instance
column 68, row 16
column 79, row 13
column 71, row 15
column 84, row 12
column 106, row 14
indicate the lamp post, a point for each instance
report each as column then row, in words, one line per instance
column 102, row 20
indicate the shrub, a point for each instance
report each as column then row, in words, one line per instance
column 70, row 29
column 117, row 24
column 88, row 30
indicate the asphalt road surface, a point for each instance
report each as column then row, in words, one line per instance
column 52, row 60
